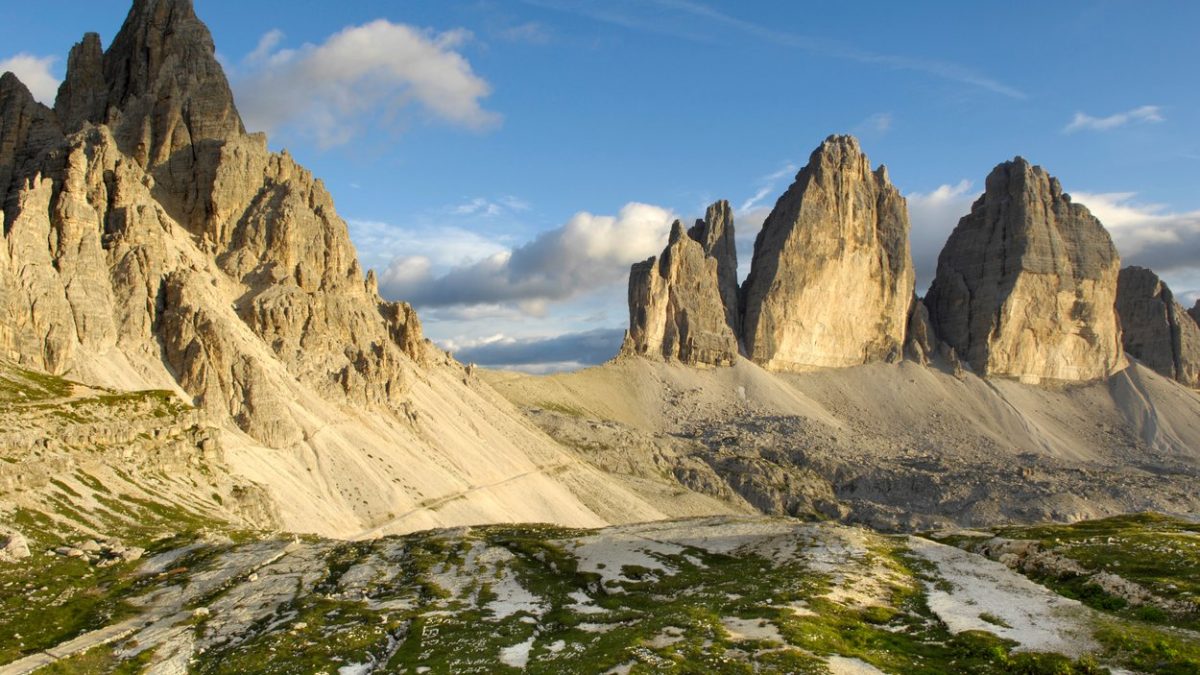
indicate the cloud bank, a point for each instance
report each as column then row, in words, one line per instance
column 1148, row 235
column 34, row 71
column 587, row 252
column 373, row 73
column 568, row 351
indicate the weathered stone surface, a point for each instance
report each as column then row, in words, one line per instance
column 83, row 95
column 1155, row 328
column 1195, row 312
column 1026, row 285
column 832, row 277
column 676, row 310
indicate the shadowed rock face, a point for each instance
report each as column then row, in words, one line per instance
column 1026, row 285
column 832, row 279
column 1155, row 328
column 678, row 302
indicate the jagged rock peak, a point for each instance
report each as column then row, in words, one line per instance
column 1195, row 312
column 1026, row 284
column 83, row 95
column 1156, row 329
column 831, row 281
column 159, row 83
column 715, row 234
column 680, row 306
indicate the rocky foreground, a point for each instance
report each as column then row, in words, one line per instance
column 728, row 595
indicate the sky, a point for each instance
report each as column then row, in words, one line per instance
column 501, row 164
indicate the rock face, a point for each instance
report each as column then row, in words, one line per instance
column 1195, row 312
column 682, row 304
column 1026, row 285
column 1155, row 328
column 832, row 279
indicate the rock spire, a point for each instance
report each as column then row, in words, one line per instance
column 1026, row 284
column 831, row 281
column 682, row 304
column 1155, row 328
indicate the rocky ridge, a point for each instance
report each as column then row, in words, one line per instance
column 1155, row 328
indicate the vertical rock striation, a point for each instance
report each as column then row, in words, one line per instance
column 1026, row 285
column 1155, row 328
column 682, row 304
column 831, row 281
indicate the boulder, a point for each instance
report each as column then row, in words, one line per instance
column 831, row 281
column 1026, row 284
column 1155, row 328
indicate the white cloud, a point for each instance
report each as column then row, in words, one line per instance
column 381, row 245
column 1148, row 235
column 1083, row 121
column 368, row 73
column 933, row 216
column 587, row 252
column 34, row 72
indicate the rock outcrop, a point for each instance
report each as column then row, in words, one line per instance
column 1155, row 328
column 1195, row 312
column 683, row 304
column 1026, row 285
column 832, row 279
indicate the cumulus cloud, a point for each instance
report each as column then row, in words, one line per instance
column 933, row 216
column 373, row 72
column 587, row 252
column 1148, row 235
column 34, row 71
column 1083, row 121
column 568, row 351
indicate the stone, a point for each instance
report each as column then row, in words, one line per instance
column 1155, row 328
column 920, row 344
column 832, row 280
column 1026, row 284
column 14, row 546
column 1195, row 312
column 677, row 308
column 27, row 129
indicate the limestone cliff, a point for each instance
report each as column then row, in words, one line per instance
column 682, row 304
column 831, row 280
column 1026, row 284
column 1155, row 328
column 149, row 242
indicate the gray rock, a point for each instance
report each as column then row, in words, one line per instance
column 1026, row 285
column 678, row 301
column 1155, row 328
column 13, row 546
column 832, row 279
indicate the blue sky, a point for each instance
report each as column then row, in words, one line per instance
column 502, row 163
